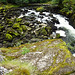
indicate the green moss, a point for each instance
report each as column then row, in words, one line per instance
column 19, row 68
column 48, row 29
column 27, row 23
column 9, row 36
column 16, row 25
column 18, row 19
column 40, row 9
column 20, row 30
column 8, row 6
column 43, row 31
column 57, row 35
column 23, row 27
column 1, row 27
column 10, row 22
column 16, row 33
column 10, row 30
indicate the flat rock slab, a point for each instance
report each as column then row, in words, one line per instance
column 51, row 57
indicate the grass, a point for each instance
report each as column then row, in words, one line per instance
column 18, row 67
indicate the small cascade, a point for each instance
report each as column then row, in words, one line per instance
column 64, row 24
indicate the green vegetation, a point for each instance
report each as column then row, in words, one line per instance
column 40, row 9
column 23, row 27
column 16, row 25
column 25, row 50
column 57, row 47
column 70, row 47
column 2, row 6
column 9, row 36
column 19, row 68
column 24, row 1
column 67, row 6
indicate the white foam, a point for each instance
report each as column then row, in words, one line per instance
column 74, row 54
column 46, row 13
column 21, row 16
column 64, row 24
column 61, row 32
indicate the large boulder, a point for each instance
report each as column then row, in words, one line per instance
column 51, row 58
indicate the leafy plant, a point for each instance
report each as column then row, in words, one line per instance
column 25, row 50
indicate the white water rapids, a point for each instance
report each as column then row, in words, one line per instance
column 67, row 30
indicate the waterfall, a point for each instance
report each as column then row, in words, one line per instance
column 64, row 24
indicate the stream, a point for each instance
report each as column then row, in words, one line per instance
column 66, row 31
column 63, row 27
column 38, row 27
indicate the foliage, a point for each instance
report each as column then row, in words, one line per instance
column 58, row 2
column 25, row 50
column 20, row 2
column 67, row 6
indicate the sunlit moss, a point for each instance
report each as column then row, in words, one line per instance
column 40, row 9
column 18, row 67
column 9, row 36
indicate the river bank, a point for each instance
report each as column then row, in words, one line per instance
column 31, row 24
column 38, row 48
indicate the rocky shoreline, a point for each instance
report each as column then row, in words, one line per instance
column 16, row 30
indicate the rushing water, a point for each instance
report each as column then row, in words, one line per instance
column 69, row 30
column 66, row 31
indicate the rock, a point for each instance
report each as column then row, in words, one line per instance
column 3, row 71
column 53, row 35
column 42, row 25
column 54, row 20
column 51, row 58
column 1, row 58
column 35, row 40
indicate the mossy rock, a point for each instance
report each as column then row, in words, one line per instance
column 42, row 31
column 10, row 30
column 53, row 57
column 23, row 27
column 40, row 9
column 16, row 33
column 20, row 30
column 57, row 35
column 16, row 25
column 8, row 36
column 18, row 19
column 27, row 23
column 1, row 27
column 48, row 29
